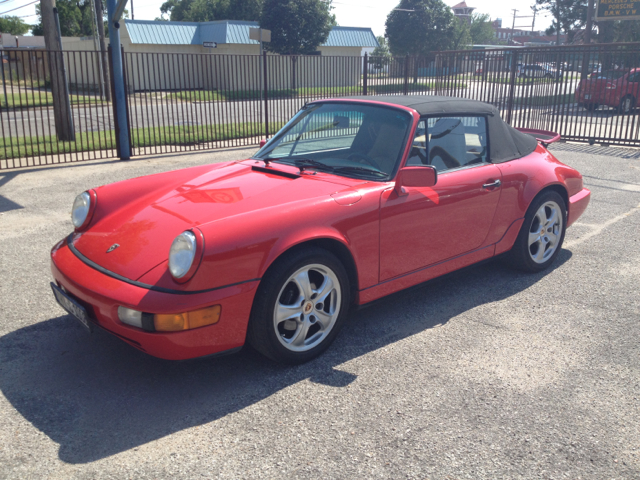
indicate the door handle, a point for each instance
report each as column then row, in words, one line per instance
column 497, row 183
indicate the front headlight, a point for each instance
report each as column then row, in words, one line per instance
column 83, row 206
column 182, row 254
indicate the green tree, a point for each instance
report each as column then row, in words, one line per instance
column 209, row 10
column 380, row 57
column 481, row 30
column 461, row 35
column 76, row 18
column 13, row 26
column 427, row 27
column 297, row 27
column 569, row 16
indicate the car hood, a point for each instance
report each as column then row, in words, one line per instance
column 133, row 238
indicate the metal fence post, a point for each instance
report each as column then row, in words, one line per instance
column 266, row 96
column 512, row 84
column 406, row 75
column 118, row 87
column 364, row 78
column 114, row 105
column 126, row 97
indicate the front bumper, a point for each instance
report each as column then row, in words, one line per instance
column 577, row 205
column 101, row 295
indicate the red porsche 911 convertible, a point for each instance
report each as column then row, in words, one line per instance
column 354, row 199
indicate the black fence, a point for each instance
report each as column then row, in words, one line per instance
column 186, row 102
column 32, row 133
column 585, row 93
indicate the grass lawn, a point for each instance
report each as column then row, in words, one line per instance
column 222, row 95
column 42, row 99
column 519, row 81
column 140, row 137
column 545, row 100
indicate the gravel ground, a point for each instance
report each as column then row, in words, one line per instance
column 484, row 373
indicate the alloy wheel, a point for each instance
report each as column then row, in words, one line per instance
column 307, row 307
column 545, row 232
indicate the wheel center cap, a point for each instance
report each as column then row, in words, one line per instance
column 307, row 307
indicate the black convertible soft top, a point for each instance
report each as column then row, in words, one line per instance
column 505, row 142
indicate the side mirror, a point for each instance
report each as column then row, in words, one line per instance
column 263, row 142
column 423, row 176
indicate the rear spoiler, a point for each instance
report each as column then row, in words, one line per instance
column 543, row 136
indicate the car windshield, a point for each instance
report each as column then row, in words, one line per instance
column 349, row 139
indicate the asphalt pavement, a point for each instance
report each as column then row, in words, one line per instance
column 484, row 373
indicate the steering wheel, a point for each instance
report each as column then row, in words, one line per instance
column 362, row 158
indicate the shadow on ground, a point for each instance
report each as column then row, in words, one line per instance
column 96, row 396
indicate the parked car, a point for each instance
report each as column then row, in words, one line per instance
column 539, row 70
column 352, row 200
column 614, row 88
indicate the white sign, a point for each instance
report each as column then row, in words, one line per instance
column 254, row 34
column 209, row 44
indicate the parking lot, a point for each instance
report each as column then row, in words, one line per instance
column 484, row 373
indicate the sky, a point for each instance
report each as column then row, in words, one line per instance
column 349, row 13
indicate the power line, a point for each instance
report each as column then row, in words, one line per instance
column 18, row 8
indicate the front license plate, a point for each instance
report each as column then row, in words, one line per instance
column 73, row 307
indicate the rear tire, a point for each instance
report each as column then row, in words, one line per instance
column 541, row 235
column 300, row 306
column 627, row 104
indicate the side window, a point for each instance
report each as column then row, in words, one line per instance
column 634, row 78
column 454, row 142
column 418, row 154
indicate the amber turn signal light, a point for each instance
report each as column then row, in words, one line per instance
column 186, row 321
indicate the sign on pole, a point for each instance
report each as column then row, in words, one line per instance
column 618, row 10
column 209, row 44
column 260, row 34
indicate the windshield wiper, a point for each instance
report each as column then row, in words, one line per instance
column 345, row 169
column 301, row 163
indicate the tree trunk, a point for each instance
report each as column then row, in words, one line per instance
column 103, row 50
column 59, row 87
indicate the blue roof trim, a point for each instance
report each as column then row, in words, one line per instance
column 228, row 32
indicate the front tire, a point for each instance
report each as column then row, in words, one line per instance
column 300, row 306
column 542, row 233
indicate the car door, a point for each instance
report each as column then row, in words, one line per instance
column 429, row 225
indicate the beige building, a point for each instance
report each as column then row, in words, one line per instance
column 172, row 56
column 156, row 61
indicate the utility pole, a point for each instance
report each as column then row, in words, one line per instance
column 586, row 56
column 589, row 26
column 103, row 49
column 513, row 25
column 557, row 23
column 533, row 23
column 59, row 85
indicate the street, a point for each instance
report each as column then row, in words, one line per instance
column 485, row 373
